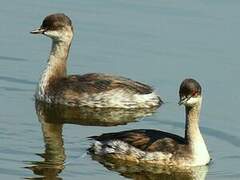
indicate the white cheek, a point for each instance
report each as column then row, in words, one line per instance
column 52, row 34
column 60, row 35
column 193, row 100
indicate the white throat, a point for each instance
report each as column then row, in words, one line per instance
column 193, row 135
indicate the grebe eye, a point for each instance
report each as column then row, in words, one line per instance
column 195, row 93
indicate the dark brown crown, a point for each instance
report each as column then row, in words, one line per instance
column 56, row 22
column 190, row 87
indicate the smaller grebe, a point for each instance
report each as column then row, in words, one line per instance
column 158, row 147
column 93, row 90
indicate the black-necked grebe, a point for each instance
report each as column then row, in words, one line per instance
column 93, row 90
column 158, row 147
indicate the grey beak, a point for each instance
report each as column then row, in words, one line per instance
column 38, row 31
column 183, row 100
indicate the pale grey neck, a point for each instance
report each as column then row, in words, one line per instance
column 192, row 131
column 58, row 58
column 193, row 136
column 56, row 66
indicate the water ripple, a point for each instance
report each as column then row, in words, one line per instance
column 16, row 80
column 14, row 89
column 10, row 171
column 7, row 58
column 232, row 157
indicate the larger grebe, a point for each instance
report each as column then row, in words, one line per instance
column 158, row 147
column 93, row 90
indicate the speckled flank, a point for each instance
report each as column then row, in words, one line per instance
column 78, row 92
column 114, row 98
column 123, row 151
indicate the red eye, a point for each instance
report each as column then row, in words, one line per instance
column 195, row 93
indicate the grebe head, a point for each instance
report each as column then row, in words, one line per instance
column 190, row 92
column 56, row 26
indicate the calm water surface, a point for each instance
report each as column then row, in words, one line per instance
column 159, row 42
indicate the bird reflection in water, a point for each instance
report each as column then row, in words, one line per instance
column 60, row 114
column 152, row 172
column 52, row 117
column 54, row 155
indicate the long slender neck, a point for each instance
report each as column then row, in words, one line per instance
column 192, row 131
column 193, row 135
column 58, row 59
column 56, row 67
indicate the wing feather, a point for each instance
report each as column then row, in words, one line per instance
column 146, row 140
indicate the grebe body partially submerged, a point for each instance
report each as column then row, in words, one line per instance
column 93, row 90
column 143, row 146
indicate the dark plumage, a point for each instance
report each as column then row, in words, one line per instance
column 146, row 140
column 56, row 22
column 74, row 87
column 97, row 83
column 190, row 87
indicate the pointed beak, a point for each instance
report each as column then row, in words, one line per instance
column 183, row 100
column 38, row 31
